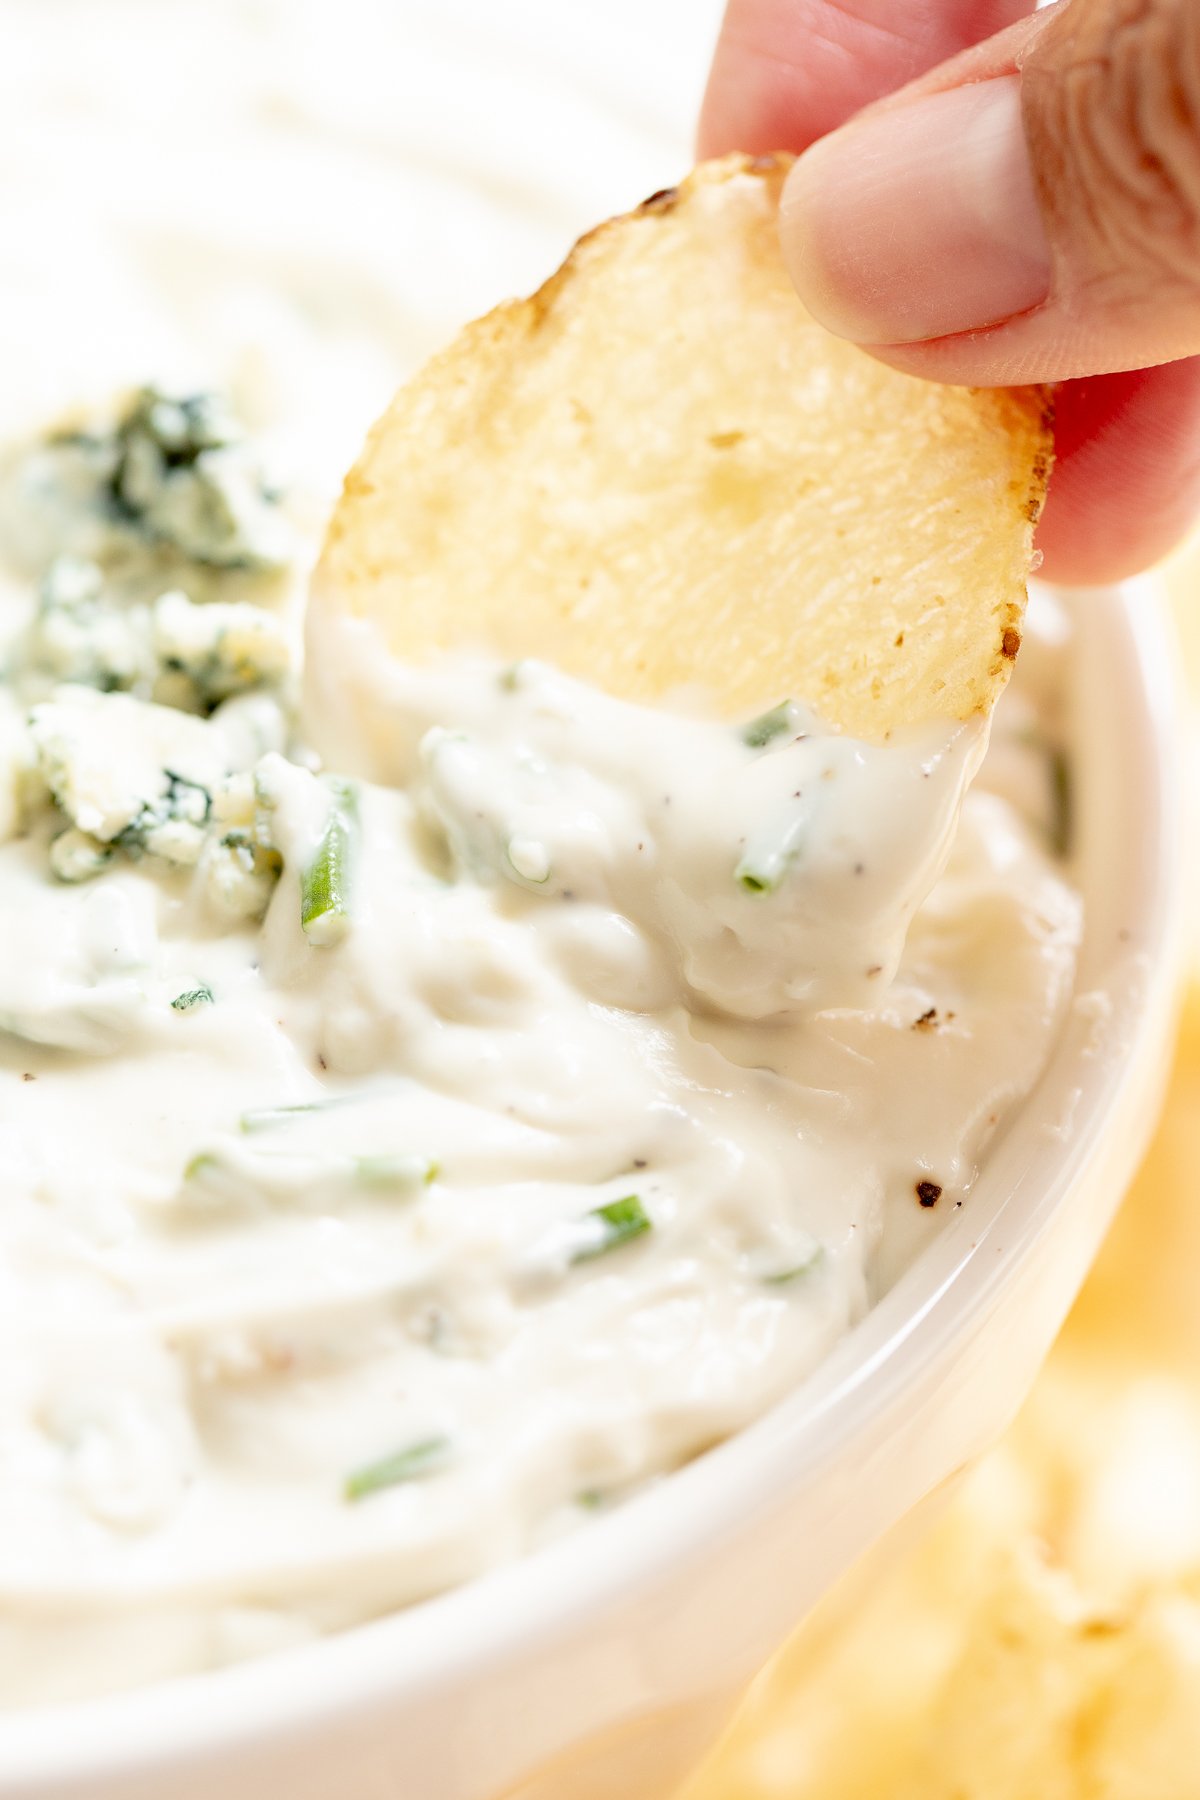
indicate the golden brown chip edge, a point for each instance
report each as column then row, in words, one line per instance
column 1024, row 415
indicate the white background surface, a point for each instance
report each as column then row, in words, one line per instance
column 394, row 166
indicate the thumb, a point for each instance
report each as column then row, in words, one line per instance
column 1028, row 212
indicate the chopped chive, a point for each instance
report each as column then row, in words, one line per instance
column 269, row 1118
column 763, row 868
column 768, row 726
column 1060, row 830
column 771, row 854
column 203, row 1163
column 396, row 1171
column 592, row 1499
column 325, row 884
column 191, row 998
column 409, row 1464
column 1062, row 826
column 782, row 1277
column 621, row 1221
column 266, row 1118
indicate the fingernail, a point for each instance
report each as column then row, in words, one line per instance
column 919, row 221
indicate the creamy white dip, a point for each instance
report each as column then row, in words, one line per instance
column 406, row 1155
column 398, row 1169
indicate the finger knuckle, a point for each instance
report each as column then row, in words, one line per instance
column 1112, row 97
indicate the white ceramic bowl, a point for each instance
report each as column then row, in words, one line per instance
column 604, row 1665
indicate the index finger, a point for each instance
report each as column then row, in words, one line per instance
column 787, row 71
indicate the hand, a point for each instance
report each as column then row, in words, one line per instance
column 1027, row 210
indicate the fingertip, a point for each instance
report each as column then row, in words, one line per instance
column 886, row 244
column 809, row 240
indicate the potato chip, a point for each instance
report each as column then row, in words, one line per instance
column 660, row 472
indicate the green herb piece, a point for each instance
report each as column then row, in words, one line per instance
column 1060, row 830
column 396, row 1171
column 1062, row 822
column 768, row 726
column 592, row 1499
column 325, row 884
column 267, row 1118
column 805, row 1266
column 409, row 1464
column 622, row 1221
column 191, row 998
column 755, row 881
column 766, row 863
column 213, row 1178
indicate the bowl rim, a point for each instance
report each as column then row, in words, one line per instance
column 455, row 1635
